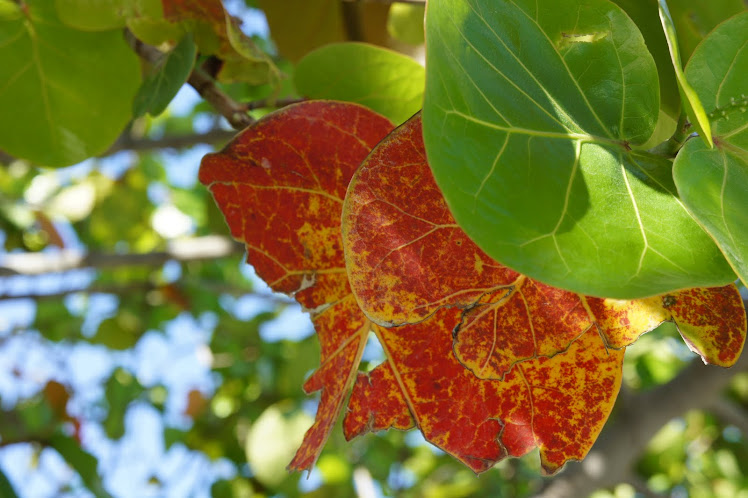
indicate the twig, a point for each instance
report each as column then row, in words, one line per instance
column 201, row 82
column 127, row 142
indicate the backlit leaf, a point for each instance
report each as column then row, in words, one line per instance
column 93, row 15
column 690, row 99
column 530, row 113
column 385, row 81
column 62, row 106
column 280, row 185
column 714, row 182
column 408, row 263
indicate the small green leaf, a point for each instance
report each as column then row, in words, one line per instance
column 63, row 101
column 385, row 81
column 168, row 76
column 713, row 183
column 530, row 115
column 81, row 461
column 691, row 103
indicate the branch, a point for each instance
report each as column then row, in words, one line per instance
column 637, row 418
column 36, row 263
column 227, row 107
column 127, row 142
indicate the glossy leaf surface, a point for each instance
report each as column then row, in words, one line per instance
column 354, row 72
column 714, row 182
column 529, row 116
column 280, row 185
column 62, row 105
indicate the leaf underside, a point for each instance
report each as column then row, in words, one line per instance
column 531, row 110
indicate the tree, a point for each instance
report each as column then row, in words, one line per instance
column 118, row 260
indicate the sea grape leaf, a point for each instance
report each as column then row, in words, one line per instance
column 558, row 404
column 713, row 183
column 529, row 115
column 689, row 98
column 280, row 185
column 67, row 104
column 167, row 77
column 694, row 19
column 411, row 266
column 93, row 15
column 385, row 81
column 216, row 32
column 645, row 14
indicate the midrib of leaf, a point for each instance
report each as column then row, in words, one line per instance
column 279, row 187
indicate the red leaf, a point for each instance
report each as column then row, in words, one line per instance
column 280, row 185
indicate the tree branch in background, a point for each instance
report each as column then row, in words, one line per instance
column 37, row 263
column 127, row 142
column 227, row 107
column 638, row 417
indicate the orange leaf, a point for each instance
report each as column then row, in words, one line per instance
column 280, row 185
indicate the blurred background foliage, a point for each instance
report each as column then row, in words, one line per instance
column 169, row 375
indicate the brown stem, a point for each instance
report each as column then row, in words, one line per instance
column 201, row 82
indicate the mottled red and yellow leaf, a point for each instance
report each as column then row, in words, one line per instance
column 470, row 330
column 280, row 185
column 557, row 404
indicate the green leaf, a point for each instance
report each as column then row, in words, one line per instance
column 65, row 94
column 385, row 81
column 691, row 103
column 713, row 183
column 81, row 461
column 168, row 76
column 93, row 15
column 120, row 332
column 529, row 115
column 694, row 19
column 644, row 14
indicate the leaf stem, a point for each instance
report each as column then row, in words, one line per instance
column 206, row 86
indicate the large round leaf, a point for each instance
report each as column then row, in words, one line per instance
column 714, row 182
column 530, row 112
column 66, row 94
